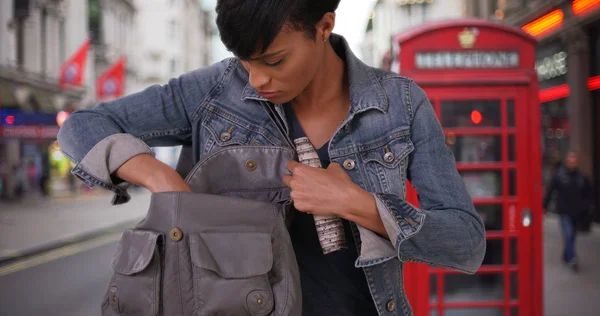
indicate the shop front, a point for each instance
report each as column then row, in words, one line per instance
column 568, row 70
column 552, row 68
column 32, row 163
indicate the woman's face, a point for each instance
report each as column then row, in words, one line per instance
column 287, row 66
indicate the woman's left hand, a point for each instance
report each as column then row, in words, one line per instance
column 324, row 192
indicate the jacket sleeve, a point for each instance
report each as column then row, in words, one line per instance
column 445, row 231
column 103, row 138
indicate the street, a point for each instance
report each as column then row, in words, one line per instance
column 565, row 292
column 71, row 280
column 69, row 286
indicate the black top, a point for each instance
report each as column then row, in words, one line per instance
column 331, row 285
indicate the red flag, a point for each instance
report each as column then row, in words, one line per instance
column 111, row 84
column 72, row 71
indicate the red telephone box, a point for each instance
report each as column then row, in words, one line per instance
column 481, row 80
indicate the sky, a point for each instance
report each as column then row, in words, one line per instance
column 351, row 22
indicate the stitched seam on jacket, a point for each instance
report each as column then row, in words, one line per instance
column 196, row 114
column 242, row 123
column 283, row 259
column 177, row 204
column 154, row 134
column 408, row 91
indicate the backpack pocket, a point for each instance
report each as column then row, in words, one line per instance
column 230, row 271
column 135, row 286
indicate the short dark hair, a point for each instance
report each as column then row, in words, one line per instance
column 250, row 26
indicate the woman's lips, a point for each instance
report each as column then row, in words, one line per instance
column 268, row 94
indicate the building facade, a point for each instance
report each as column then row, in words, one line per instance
column 390, row 17
column 113, row 31
column 175, row 37
column 568, row 66
column 37, row 36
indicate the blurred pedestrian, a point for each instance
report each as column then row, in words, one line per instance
column 45, row 173
column 20, row 181
column 574, row 198
column 32, row 176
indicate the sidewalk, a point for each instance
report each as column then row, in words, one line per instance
column 37, row 225
column 566, row 292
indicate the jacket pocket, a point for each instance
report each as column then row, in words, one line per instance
column 386, row 165
column 231, row 273
column 135, row 286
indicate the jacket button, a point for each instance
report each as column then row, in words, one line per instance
column 176, row 234
column 259, row 301
column 389, row 157
column 349, row 164
column 225, row 136
column 113, row 294
column 251, row 165
column 391, row 306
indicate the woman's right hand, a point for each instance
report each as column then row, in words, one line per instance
column 152, row 174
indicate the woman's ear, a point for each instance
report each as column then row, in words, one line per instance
column 325, row 26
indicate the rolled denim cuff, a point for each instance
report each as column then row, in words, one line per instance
column 403, row 220
column 101, row 162
column 374, row 248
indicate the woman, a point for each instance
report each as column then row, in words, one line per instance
column 293, row 77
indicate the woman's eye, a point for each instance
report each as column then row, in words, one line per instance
column 274, row 64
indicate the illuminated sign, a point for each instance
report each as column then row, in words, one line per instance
column 545, row 24
column 31, row 132
column 552, row 66
column 466, row 60
column 584, row 6
column 18, row 117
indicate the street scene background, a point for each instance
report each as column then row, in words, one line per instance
column 57, row 236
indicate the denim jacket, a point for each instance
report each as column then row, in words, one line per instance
column 391, row 134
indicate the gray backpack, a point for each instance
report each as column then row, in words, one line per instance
column 222, row 250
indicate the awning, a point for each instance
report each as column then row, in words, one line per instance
column 7, row 97
column 42, row 101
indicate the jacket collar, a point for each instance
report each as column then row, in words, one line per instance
column 366, row 91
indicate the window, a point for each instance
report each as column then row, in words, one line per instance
column 62, row 38
column 94, row 20
column 172, row 30
column 173, row 66
column 43, row 42
column 123, row 33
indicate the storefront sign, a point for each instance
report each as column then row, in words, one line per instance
column 29, row 132
column 467, row 59
column 552, row 66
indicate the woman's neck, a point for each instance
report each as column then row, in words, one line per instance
column 329, row 87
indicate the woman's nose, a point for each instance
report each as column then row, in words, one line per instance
column 258, row 79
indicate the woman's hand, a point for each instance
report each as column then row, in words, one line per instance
column 329, row 192
column 319, row 191
column 152, row 174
